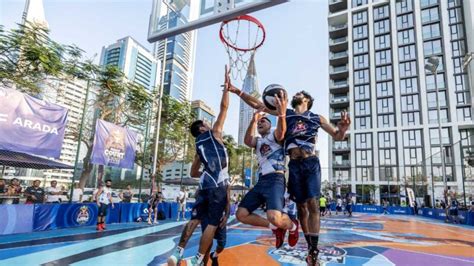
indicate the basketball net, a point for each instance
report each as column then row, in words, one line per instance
column 241, row 36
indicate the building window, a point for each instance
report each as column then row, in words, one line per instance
column 407, row 53
column 457, row 63
column 383, row 73
column 453, row 3
column 362, row 108
column 430, row 81
column 433, row 116
column 433, row 102
column 405, row 21
column 426, row 3
column 459, row 81
column 356, row 3
column 362, row 92
column 360, row 32
column 387, row 139
column 363, row 123
column 359, row 18
column 408, row 86
column 381, row 12
column 361, row 76
column 403, row 6
column 407, row 69
column 412, row 138
column 455, row 15
column 411, row 119
column 464, row 114
column 459, row 48
column 406, row 37
column 361, row 61
column 382, row 42
column 383, row 57
column 457, row 32
column 363, row 141
column 463, row 98
column 432, row 47
column 385, row 121
column 410, row 103
column 382, row 26
column 384, row 89
column 429, row 15
column 385, row 106
column 361, row 46
column 431, row 31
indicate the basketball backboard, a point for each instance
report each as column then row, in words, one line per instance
column 172, row 17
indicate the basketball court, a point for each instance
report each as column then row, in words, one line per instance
column 360, row 240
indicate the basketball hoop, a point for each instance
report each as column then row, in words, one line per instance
column 241, row 45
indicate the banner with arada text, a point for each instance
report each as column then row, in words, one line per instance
column 31, row 125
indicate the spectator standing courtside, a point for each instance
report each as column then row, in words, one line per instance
column 3, row 189
column 35, row 194
column 126, row 195
column 14, row 189
column 78, row 194
column 53, row 193
column 182, row 197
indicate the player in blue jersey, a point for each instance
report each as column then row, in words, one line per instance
column 270, row 188
column 304, row 183
column 213, row 198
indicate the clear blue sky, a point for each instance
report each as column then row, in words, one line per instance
column 295, row 53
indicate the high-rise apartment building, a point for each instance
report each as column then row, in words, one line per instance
column 180, row 49
column 378, row 51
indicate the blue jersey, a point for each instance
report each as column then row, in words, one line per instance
column 213, row 156
column 302, row 130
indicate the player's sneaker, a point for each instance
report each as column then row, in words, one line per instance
column 103, row 226
column 99, row 228
column 193, row 262
column 293, row 236
column 174, row 259
column 312, row 258
column 279, row 237
column 214, row 261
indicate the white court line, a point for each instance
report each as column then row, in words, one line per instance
column 378, row 255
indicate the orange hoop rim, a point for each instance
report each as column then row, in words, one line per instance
column 242, row 17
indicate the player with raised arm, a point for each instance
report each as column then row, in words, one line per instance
column 211, row 202
column 304, row 184
column 270, row 188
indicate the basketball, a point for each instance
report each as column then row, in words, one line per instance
column 269, row 93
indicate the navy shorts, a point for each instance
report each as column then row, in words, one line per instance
column 103, row 209
column 349, row 208
column 270, row 189
column 210, row 205
column 304, row 180
column 220, row 235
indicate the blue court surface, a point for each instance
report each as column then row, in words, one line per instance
column 360, row 240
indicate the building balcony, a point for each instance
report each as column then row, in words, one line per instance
column 338, row 45
column 337, row 5
column 339, row 58
column 339, row 102
column 341, row 163
column 338, row 72
column 339, row 87
column 337, row 31
column 341, row 147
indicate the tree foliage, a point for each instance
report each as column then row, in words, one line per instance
column 28, row 57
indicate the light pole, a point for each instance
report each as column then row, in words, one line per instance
column 432, row 66
column 79, row 139
column 465, row 66
column 147, row 127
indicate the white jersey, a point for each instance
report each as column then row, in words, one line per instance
column 339, row 202
column 105, row 195
column 270, row 154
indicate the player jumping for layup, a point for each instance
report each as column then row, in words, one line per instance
column 304, row 182
column 270, row 188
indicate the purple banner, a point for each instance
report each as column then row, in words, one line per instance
column 31, row 125
column 114, row 145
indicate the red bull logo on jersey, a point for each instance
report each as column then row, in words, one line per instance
column 300, row 127
column 83, row 215
column 265, row 149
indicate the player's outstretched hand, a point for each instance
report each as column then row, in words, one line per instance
column 257, row 115
column 227, row 83
column 345, row 122
column 281, row 103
